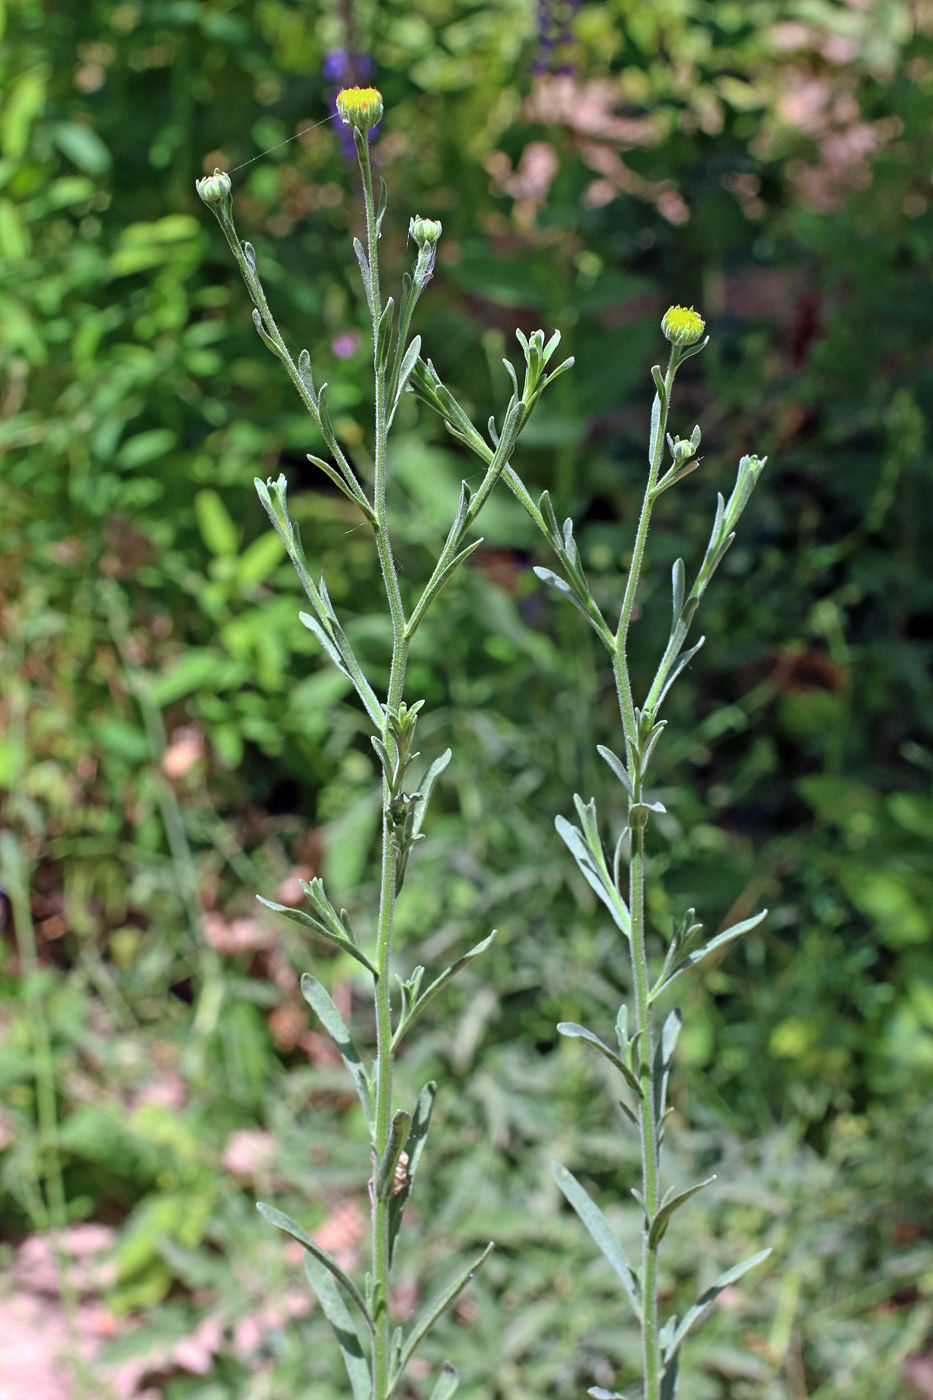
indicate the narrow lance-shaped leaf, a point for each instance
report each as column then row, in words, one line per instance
column 727, row 935
column 426, row 789
column 617, row 766
column 669, row 1378
column 663, row 1055
column 364, row 272
column 600, row 1229
column 682, row 936
column 707, row 1298
column 663, row 1218
column 409, row 360
column 320, row 1000
column 437, row 583
column 414, row 1146
column 307, row 378
column 655, row 434
column 446, row 1383
column 548, row 518
column 291, row 1227
column 678, row 585
column 594, row 870
column 435, row 1309
column 383, row 202
column 300, row 916
column 575, row 1032
column 349, row 667
column 384, row 334
column 347, row 483
column 439, row 982
column 338, row 1315
column 677, row 667
column 398, row 1136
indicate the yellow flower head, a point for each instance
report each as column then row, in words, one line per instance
column 682, row 325
column 359, row 107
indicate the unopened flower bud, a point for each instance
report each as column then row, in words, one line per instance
column 682, row 325
column 215, row 190
column 359, row 107
column 424, row 231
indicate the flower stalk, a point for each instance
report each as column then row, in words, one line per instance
column 645, row 1049
column 375, row 1353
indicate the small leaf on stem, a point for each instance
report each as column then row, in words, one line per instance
column 600, row 1229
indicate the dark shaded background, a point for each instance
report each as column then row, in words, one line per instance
column 173, row 743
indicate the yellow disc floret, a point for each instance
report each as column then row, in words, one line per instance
column 682, row 325
column 359, row 107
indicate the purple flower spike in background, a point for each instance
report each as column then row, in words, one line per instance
column 555, row 36
column 347, row 69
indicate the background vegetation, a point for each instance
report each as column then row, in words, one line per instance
column 173, row 743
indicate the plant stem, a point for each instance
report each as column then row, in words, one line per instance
column 620, row 654
column 644, row 1022
column 387, row 894
column 647, row 1119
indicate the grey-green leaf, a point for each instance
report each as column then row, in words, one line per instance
column 575, row 1032
column 414, row 1146
column 655, row 436
column 708, row 1297
column 426, row 789
column 598, row 1226
column 663, row 1055
column 446, row 1383
column 291, row 1227
column 439, row 982
column 384, row 334
column 338, row 1315
column 727, row 935
column 661, row 1221
column 594, row 871
column 365, row 272
column 436, row 1308
column 584, row 605
column 398, row 1136
column 299, row 916
column 319, row 999
column 669, row 1378
column 617, row 766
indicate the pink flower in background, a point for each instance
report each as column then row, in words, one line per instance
column 248, row 1152
column 346, row 345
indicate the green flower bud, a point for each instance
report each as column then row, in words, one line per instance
column 682, row 325
column 359, row 107
column 424, row 231
column 215, row 190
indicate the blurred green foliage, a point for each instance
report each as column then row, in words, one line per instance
column 172, row 742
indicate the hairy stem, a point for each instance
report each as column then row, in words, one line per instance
column 387, row 894
column 647, row 1120
column 644, row 1021
column 620, row 654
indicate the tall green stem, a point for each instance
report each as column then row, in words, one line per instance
column 647, row 1120
column 620, row 654
column 644, row 1023
column 387, row 895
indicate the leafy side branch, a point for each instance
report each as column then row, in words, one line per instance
column 643, row 1057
